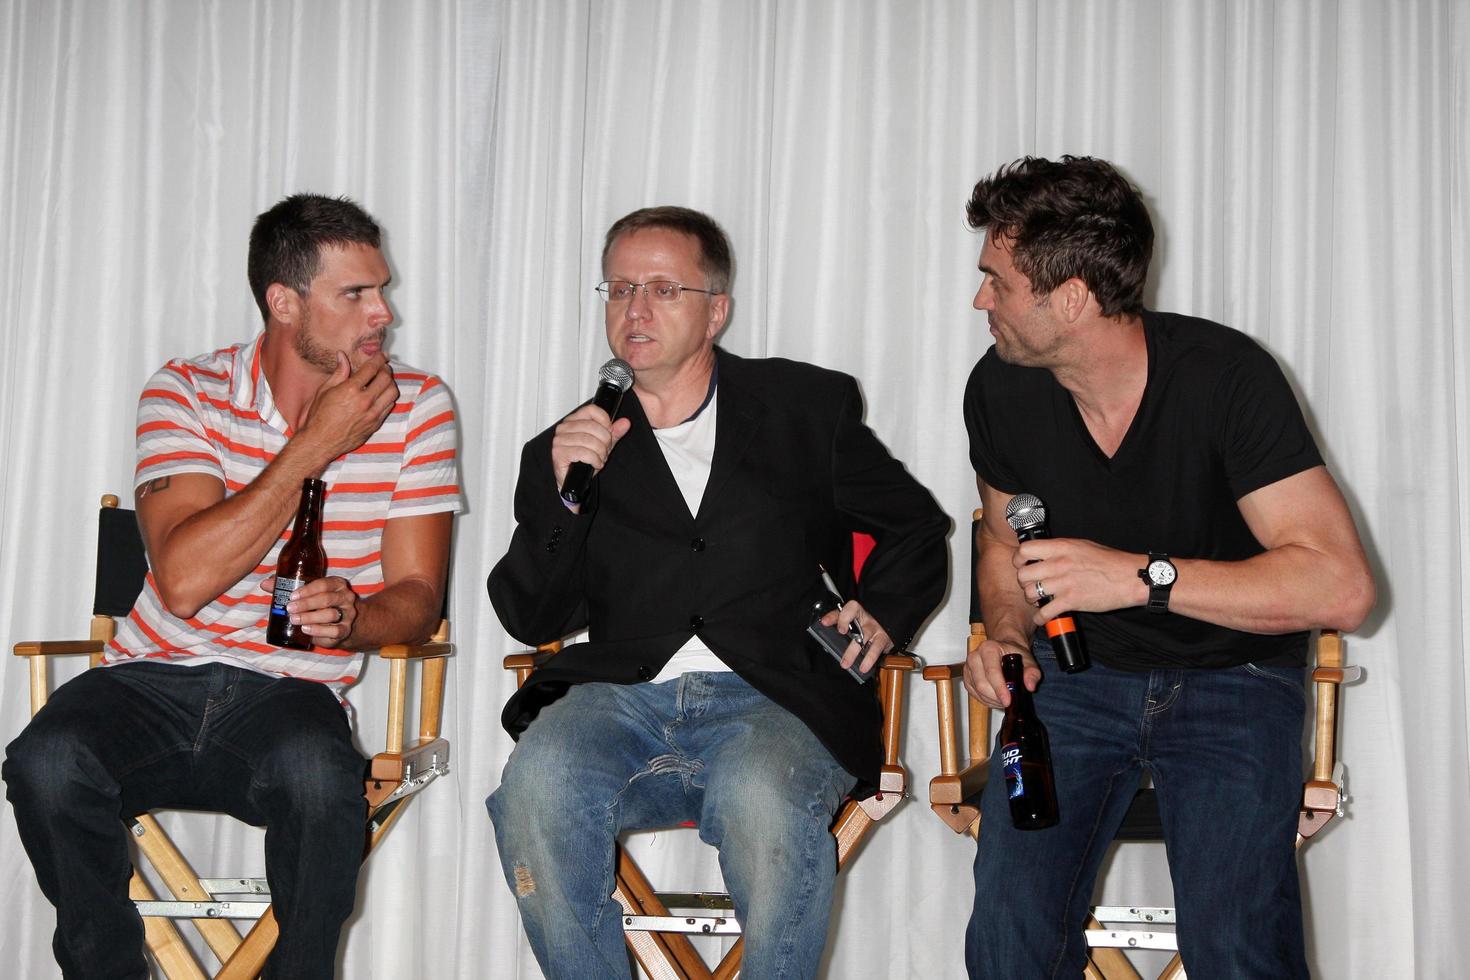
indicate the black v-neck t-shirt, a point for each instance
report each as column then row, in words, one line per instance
column 1217, row 421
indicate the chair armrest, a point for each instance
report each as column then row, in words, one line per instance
column 38, row 652
column 57, row 648
column 524, row 663
column 527, row 661
column 416, row 651
column 899, row 661
column 437, row 645
column 532, row 659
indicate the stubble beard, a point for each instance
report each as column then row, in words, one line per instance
column 1011, row 349
column 324, row 358
column 318, row 356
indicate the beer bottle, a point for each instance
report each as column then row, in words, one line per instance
column 1025, row 756
column 302, row 560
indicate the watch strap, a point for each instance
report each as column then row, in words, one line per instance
column 1158, row 595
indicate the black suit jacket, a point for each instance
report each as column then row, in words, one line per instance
column 795, row 472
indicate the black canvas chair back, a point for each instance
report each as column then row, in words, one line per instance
column 122, row 564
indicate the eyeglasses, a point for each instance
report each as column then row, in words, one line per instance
column 655, row 291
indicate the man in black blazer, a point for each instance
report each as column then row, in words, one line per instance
column 723, row 486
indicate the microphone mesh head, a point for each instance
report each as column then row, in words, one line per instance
column 617, row 372
column 1025, row 510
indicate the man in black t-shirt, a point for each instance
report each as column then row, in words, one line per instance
column 1196, row 538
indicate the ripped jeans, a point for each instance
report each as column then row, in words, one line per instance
column 706, row 748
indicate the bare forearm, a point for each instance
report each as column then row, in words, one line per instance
column 1313, row 572
column 1290, row 588
column 404, row 612
column 208, row 552
column 1007, row 616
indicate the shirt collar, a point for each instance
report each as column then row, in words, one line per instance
column 249, row 388
column 714, row 379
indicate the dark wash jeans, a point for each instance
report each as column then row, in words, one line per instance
column 1224, row 749
column 117, row 741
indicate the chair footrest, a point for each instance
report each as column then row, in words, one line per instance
column 203, row 910
column 235, row 886
column 1130, row 939
column 710, row 925
column 1120, row 913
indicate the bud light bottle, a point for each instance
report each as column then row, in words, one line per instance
column 1025, row 757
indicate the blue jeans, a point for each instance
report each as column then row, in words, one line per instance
column 117, row 741
column 1224, row 749
column 706, row 748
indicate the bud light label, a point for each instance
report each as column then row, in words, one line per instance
column 1010, row 762
column 282, row 594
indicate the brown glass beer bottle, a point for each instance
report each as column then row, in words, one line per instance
column 1025, row 755
column 302, row 560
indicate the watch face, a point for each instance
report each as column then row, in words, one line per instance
column 1162, row 573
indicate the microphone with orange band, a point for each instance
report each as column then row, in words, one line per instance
column 1026, row 515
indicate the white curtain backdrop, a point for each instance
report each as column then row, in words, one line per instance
column 1307, row 166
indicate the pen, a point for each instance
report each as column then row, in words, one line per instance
column 853, row 630
column 831, row 585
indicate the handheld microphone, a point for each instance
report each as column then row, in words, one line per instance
column 614, row 378
column 1026, row 515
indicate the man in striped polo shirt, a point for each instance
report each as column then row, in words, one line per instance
column 194, row 708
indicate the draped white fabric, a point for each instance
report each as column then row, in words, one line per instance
column 1306, row 163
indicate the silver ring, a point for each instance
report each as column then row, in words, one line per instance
column 1040, row 592
column 340, row 615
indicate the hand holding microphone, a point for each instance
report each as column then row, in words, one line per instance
column 580, row 434
column 1026, row 515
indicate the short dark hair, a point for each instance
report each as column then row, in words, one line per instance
column 715, row 256
column 1077, row 216
column 286, row 242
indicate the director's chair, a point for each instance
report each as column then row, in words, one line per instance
column 393, row 776
column 954, row 793
column 658, row 938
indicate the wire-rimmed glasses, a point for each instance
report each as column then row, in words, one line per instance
column 655, row 290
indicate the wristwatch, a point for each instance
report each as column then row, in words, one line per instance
column 1159, row 574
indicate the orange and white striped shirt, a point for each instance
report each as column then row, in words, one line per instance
column 215, row 414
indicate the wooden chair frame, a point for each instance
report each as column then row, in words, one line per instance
column 659, row 939
column 394, row 776
column 954, row 792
